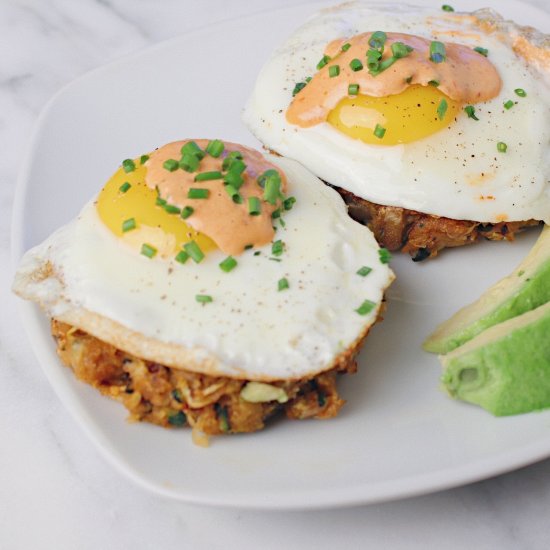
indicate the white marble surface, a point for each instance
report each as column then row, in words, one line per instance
column 55, row 489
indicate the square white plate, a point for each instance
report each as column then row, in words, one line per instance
column 399, row 435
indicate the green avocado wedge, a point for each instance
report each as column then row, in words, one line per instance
column 506, row 369
column 526, row 288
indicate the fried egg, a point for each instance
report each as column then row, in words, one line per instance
column 452, row 121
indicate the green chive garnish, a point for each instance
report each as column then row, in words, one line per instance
column 203, row 298
column 186, row 212
column 502, row 147
column 215, row 148
column 366, row 307
column 282, row 284
column 298, row 88
column 171, row 165
column 228, row 264
column 194, row 251
column 177, row 419
column 434, row 83
column 377, row 40
column 384, row 255
column 346, row 47
column 262, row 178
column 233, row 192
column 191, row 148
column 276, row 214
column 437, row 52
column 442, row 109
column 148, row 250
column 383, row 66
column 355, row 65
column 128, row 165
column 333, row 70
column 508, row 104
column 143, row 159
column 379, row 131
column 254, row 207
column 124, row 187
column 197, row 193
column 373, row 59
column 160, row 201
column 234, row 179
column 128, row 225
column 324, row 60
column 446, row 7
column 471, row 112
column 400, row 50
column 277, row 248
column 521, row 92
column 182, row 257
column 189, row 162
column 353, row 89
column 206, row 176
column 171, row 209
column 230, row 159
column 237, row 166
column 483, row 51
column 364, row 271
column 272, row 188
column 289, row 203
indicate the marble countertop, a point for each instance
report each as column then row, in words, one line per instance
column 56, row 491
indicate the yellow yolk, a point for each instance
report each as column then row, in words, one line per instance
column 154, row 226
column 406, row 117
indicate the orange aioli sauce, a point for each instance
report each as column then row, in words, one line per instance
column 227, row 223
column 466, row 76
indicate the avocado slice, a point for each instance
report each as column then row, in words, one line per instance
column 506, row 369
column 525, row 289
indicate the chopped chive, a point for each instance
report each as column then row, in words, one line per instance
column 437, row 52
column 355, row 65
column 233, row 192
column 189, row 162
column 277, row 248
column 177, row 419
column 262, row 178
column 186, row 212
column 172, row 209
column 434, row 83
column 520, row 92
column 446, row 7
column 508, row 104
column 148, row 250
column 170, row 164
column 373, row 59
column 353, row 89
column 182, row 257
column 234, row 179
column 377, row 40
column 298, row 88
column 308, row 79
column 203, row 298
column 176, row 394
column 160, row 201
column 128, row 165
column 384, row 255
column 282, row 222
column 483, row 51
column 502, row 147
column 223, row 418
column 282, row 284
column 254, row 206
column 334, row 70
column 364, row 271
column 215, row 148
column 366, row 307
column 257, row 253
column 272, row 189
column 194, row 251
column 276, row 214
column 128, row 225
column 383, row 66
column 230, row 159
column 442, row 109
column 346, row 47
column 379, row 131
column 206, row 176
column 191, row 148
column 324, row 60
column 124, row 187
column 197, row 193
column 228, row 264
column 237, row 166
column 143, row 159
column 471, row 112
column 289, row 203
column 400, row 50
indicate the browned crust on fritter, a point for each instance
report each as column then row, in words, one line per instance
column 424, row 235
column 173, row 397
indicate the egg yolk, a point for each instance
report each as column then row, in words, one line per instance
column 415, row 113
column 166, row 232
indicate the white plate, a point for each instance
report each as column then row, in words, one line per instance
column 399, row 435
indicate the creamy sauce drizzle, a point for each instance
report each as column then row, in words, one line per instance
column 466, row 76
column 227, row 223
